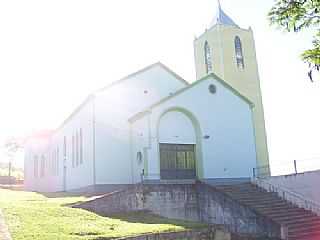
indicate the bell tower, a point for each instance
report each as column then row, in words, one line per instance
column 229, row 51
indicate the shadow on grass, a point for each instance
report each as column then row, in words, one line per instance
column 74, row 194
column 96, row 192
column 143, row 217
column 89, row 234
column 147, row 217
column 104, row 238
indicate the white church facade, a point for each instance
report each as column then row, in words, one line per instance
column 153, row 125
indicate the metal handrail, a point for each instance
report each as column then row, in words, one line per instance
column 291, row 196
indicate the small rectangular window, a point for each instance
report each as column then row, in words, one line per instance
column 42, row 166
column 81, row 147
column 64, row 148
column 57, row 170
column 73, row 151
column 77, row 148
column 35, row 166
column 51, row 163
column 54, row 162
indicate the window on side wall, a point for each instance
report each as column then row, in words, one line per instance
column 35, row 166
column 208, row 57
column 57, row 168
column 64, row 149
column 73, row 151
column 53, row 162
column 239, row 53
column 77, row 148
column 81, row 147
column 42, row 166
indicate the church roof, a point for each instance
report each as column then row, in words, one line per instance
column 190, row 86
column 92, row 95
column 159, row 64
column 222, row 18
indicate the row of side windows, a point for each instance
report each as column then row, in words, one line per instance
column 54, row 163
column 41, row 165
column 77, row 148
column 39, row 162
column 238, row 55
column 49, row 165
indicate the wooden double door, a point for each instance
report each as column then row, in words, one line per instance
column 177, row 161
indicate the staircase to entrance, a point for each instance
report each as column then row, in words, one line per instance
column 242, row 207
column 300, row 224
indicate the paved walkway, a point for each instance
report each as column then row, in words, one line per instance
column 4, row 232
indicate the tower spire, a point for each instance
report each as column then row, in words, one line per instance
column 221, row 17
column 219, row 4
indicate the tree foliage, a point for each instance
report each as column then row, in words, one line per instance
column 12, row 146
column 296, row 15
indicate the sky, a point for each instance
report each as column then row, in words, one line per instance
column 54, row 53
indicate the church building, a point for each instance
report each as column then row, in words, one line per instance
column 154, row 126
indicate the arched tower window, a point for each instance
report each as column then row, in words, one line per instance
column 239, row 53
column 208, row 57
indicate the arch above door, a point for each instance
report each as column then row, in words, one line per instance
column 179, row 144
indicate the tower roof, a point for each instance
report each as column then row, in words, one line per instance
column 222, row 18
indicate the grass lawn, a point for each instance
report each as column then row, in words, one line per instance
column 32, row 216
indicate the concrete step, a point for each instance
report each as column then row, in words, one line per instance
column 253, row 195
column 302, row 224
column 265, row 208
column 288, row 214
column 307, row 238
column 305, row 222
column 303, row 228
column 298, row 220
column 256, row 205
column 270, row 206
column 276, row 206
column 264, row 202
column 238, row 187
column 287, row 218
column 246, row 184
column 288, row 211
column 241, row 191
column 314, row 235
column 259, row 199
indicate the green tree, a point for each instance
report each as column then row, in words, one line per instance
column 12, row 146
column 297, row 15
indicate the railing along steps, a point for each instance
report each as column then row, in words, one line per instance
column 302, row 224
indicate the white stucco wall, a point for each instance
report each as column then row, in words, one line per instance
column 76, row 177
column 306, row 184
column 114, row 107
column 81, row 175
column 106, row 130
column 229, row 152
column 176, row 127
column 35, row 147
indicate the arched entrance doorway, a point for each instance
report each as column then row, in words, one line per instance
column 177, row 146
